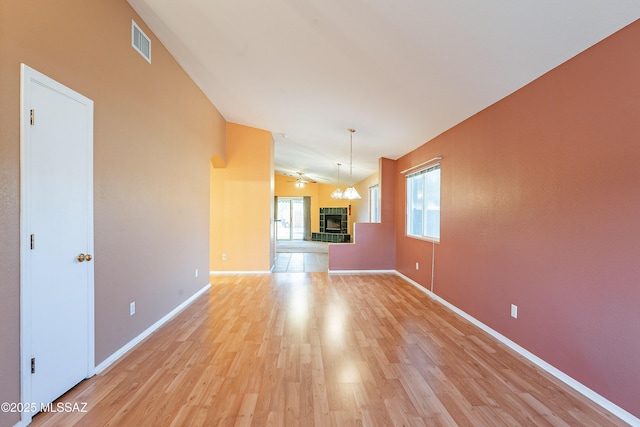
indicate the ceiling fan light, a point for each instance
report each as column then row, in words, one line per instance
column 351, row 194
column 299, row 184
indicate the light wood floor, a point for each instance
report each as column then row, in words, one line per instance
column 317, row 349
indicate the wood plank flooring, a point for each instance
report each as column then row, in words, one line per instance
column 313, row 349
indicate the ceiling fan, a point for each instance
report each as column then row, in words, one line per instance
column 301, row 180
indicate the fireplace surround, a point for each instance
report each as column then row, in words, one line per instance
column 334, row 224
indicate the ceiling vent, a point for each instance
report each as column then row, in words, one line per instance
column 140, row 42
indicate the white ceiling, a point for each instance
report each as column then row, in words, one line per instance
column 398, row 72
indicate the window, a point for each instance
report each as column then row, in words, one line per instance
column 423, row 203
column 374, row 203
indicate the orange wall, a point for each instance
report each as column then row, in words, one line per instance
column 540, row 208
column 241, row 202
column 360, row 208
column 155, row 133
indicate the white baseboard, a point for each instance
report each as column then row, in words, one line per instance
column 362, row 271
column 22, row 423
column 119, row 353
column 576, row 385
column 217, row 273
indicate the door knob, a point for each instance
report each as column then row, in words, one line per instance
column 81, row 257
column 88, row 257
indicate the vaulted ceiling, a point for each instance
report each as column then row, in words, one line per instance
column 399, row 72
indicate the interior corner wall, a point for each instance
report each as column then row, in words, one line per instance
column 241, row 202
column 272, row 207
column 360, row 208
column 154, row 135
column 539, row 208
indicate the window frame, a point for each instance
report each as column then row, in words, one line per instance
column 424, row 209
column 376, row 188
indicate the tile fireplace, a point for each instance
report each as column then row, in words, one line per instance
column 334, row 224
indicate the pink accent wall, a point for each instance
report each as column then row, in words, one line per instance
column 540, row 208
column 373, row 246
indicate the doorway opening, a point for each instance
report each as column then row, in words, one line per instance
column 290, row 219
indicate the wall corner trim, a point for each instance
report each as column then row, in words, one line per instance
column 22, row 423
column 151, row 329
column 576, row 385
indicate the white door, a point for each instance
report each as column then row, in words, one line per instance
column 57, row 342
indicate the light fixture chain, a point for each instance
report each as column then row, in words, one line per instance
column 351, row 131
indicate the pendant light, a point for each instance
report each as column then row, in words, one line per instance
column 351, row 193
column 337, row 193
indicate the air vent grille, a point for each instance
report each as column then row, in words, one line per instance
column 140, row 41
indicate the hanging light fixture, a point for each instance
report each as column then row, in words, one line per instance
column 337, row 193
column 300, row 182
column 351, row 193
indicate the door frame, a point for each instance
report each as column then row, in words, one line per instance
column 28, row 76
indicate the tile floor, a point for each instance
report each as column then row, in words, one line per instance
column 301, row 263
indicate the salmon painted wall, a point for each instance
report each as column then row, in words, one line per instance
column 373, row 246
column 540, row 208
column 242, row 202
column 154, row 135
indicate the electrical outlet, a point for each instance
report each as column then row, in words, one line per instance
column 196, row 272
column 224, row 257
column 132, row 308
column 417, row 266
column 514, row 311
